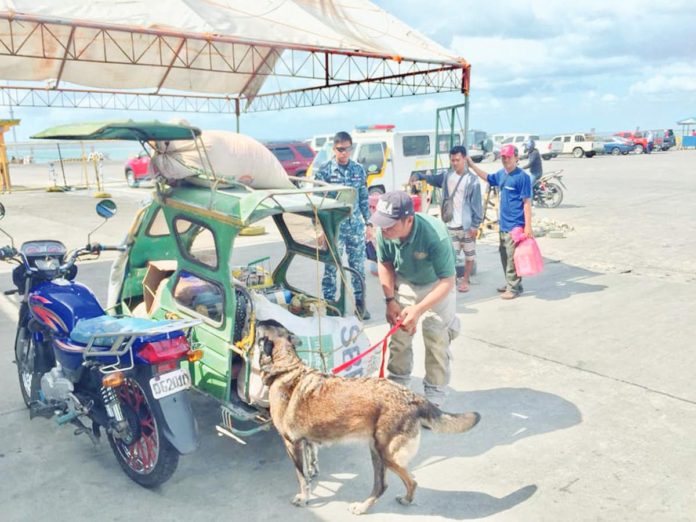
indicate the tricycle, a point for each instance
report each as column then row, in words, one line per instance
column 186, row 257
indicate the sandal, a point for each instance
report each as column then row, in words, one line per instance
column 463, row 287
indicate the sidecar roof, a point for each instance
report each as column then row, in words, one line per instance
column 120, row 130
column 242, row 207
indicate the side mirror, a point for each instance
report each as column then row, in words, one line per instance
column 2, row 215
column 106, row 209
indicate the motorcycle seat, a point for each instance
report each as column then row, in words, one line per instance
column 107, row 324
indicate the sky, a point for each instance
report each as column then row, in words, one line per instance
column 542, row 67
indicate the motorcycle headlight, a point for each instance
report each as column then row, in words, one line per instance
column 47, row 264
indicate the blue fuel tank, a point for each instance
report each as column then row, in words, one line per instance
column 60, row 304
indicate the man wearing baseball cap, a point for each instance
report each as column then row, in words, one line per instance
column 515, row 211
column 416, row 270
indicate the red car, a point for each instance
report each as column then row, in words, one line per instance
column 136, row 169
column 295, row 156
column 639, row 141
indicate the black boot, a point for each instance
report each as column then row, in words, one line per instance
column 362, row 311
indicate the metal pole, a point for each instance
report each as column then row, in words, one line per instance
column 236, row 112
column 466, row 120
column 62, row 167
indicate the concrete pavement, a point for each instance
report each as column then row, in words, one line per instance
column 585, row 383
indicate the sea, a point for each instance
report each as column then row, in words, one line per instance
column 51, row 152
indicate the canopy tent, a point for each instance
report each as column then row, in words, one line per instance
column 200, row 56
column 688, row 140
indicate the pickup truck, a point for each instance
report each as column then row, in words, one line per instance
column 547, row 149
column 579, row 145
column 640, row 142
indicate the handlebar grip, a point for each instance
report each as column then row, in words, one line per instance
column 7, row 251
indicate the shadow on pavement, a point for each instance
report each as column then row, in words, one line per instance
column 507, row 415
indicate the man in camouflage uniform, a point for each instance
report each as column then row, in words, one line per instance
column 341, row 170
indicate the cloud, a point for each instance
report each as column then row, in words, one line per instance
column 675, row 78
column 425, row 105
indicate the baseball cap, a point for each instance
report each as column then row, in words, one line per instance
column 391, row 207
column 508, row 150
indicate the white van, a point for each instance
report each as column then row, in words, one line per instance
column 548, row 149
column 390, row 157
column 318, row 141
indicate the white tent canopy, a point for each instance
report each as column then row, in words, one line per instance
column 319, row 51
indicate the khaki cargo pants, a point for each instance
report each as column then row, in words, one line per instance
column 440, row 326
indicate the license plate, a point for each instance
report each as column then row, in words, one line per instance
column 169, row 383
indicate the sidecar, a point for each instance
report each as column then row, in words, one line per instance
column 189, row 257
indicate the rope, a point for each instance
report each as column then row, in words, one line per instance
column 383, row 342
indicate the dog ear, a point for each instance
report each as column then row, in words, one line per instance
column 267, row 346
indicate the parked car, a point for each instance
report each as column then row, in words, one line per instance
column 637, row 138
column 137, row 169
column 615, row 145
column 579, row 145
column 664, row 139
column 295, row 156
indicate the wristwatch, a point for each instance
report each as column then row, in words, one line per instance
column 388, row 299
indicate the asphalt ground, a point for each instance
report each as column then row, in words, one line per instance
column 584, row 383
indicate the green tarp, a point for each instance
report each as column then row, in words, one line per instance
column 119, row 130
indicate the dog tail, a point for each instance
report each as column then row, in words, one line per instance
column 440, row 421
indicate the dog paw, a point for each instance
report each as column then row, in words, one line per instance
column 404, row 501
column 358, row 508
column 299, row 500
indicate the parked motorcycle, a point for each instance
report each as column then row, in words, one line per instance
column 548, row 190
column 77, row 364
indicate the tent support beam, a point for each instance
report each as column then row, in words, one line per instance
column 65, row 56
column 171, row 64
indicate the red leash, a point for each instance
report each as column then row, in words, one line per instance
column 383, row 342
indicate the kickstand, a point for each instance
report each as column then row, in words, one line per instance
column 81, row 428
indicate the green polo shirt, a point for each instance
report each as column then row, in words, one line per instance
column 425, row 256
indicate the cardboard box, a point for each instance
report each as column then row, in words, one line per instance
column 158, row 272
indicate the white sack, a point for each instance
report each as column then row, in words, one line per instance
column 232, row 156
column 342, row 339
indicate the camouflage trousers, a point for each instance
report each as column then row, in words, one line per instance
column 351, row 238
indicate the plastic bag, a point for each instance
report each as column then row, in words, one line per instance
column 527, row 258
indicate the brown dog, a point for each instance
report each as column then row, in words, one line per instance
column 310, row 408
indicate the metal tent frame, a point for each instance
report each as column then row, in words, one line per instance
column 329, row 76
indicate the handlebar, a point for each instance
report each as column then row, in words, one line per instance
column 94, row 248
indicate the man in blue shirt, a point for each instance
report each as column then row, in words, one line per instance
column 515, row 190
column 341, row 170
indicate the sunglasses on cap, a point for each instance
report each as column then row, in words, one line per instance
column 344, row 149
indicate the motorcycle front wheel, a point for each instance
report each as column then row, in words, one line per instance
column 25, row 354
column 553, row 196
column 147, row 458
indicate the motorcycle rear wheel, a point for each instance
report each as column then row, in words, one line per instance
column 29, row 380
column 150, row 460
column 553, row 195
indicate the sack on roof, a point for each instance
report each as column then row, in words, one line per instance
column 232, row 156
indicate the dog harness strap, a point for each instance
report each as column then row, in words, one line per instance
column 382, row 342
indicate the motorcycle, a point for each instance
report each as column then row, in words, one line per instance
column 75, row 363
column 548, row 190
